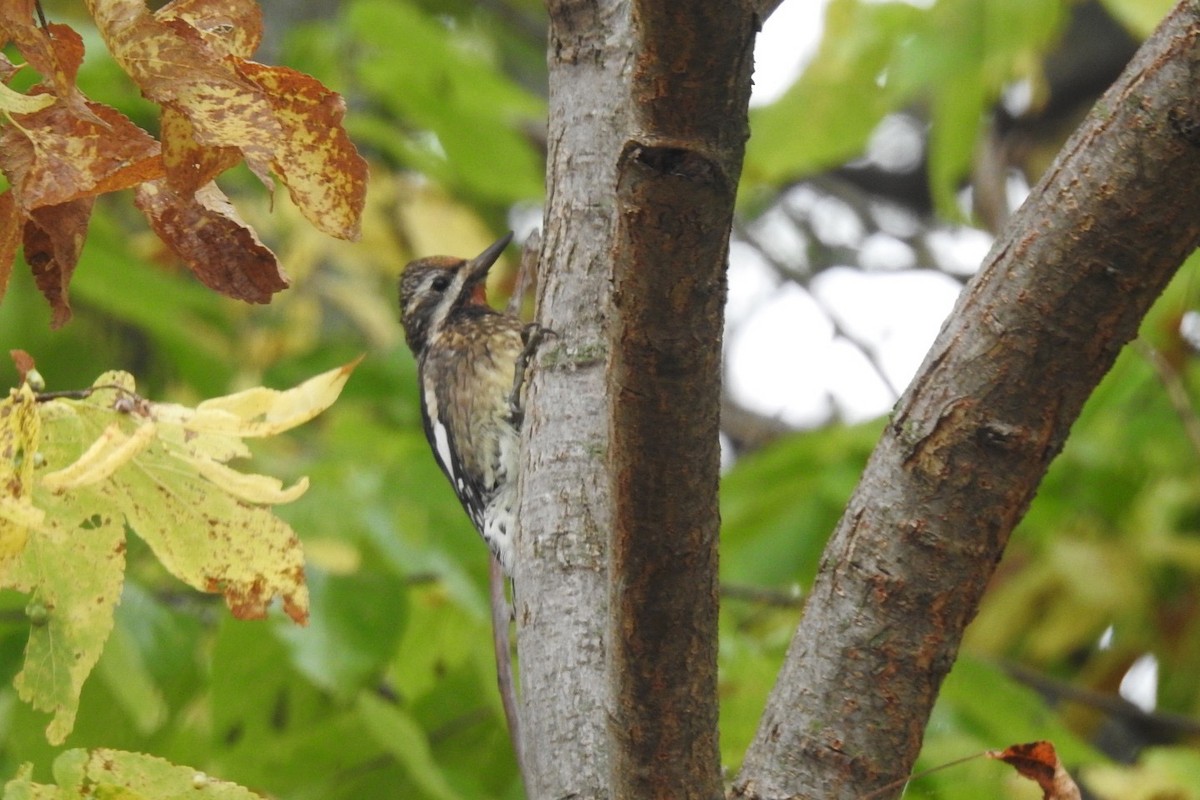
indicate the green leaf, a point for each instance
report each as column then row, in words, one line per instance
column 121, row 667
column 399, row 733
column 72, row 568
column 1160, row 773
column 778, row 506
column 826, row 117
column 1141, row 17
column 353, row 631
column 437, row 83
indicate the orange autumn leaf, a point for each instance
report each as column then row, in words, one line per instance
column 10, row 237
column 24, row 364
column 189, row 164
column 54, row 156
column 59, row 150
column 324, row 174
column 1038, row 762
column 191, row 59
column 176, row 67
column 55, row 51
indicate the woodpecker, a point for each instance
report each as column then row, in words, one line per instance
column 470, row 366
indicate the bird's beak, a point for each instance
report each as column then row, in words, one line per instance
column 478, row 266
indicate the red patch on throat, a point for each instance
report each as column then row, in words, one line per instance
column 479, row 295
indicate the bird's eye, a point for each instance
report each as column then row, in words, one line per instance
column 440, row 283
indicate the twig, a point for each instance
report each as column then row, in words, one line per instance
column 889, row 787
column 1164, row 724
column 767, row 597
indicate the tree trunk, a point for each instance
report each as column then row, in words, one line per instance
column 1063, row 289
column 677, row 180
column 647, row 129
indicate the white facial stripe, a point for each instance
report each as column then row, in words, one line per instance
column 448, row 297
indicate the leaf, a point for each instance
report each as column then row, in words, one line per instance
column 175, row 66
column 113, row 460
column 396, row 730
column 113, row 774
column 19, row 435
column 55, row 51
column 1038, row 762
column 191, row 59
column 325, row 176
column 10, row 236
column 54, row 156
column 108, row 453
column 230, row 27
column 12, row 102
column 72, row 568
column 206, row 231
column 22, row 787
column 266, row 412
column 53, row 241
column 189, row 164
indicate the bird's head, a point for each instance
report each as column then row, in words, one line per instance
column 432, row 288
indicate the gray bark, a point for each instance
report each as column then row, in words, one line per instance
column 565, row 509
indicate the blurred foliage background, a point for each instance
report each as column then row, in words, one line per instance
column 390, row 692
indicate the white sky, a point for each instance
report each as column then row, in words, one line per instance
column 784, row 358
column 785, row 45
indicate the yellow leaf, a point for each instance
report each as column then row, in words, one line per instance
column 106, row 774
column 112, row 460
column 112, row 450
column 266, row 412
column 20, row 430
column 13, row 102
column 261, row 489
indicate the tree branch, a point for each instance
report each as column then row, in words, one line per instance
column 1062, row 290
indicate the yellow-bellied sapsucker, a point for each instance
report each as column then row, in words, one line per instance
column 470, row 364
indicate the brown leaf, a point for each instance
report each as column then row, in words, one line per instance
column 177, row 68
column 325, row 175
column 53, row 156
column 53, row 241
column 10, row 235
column 1038, row 762
column 23, row 362
column 207, row 233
